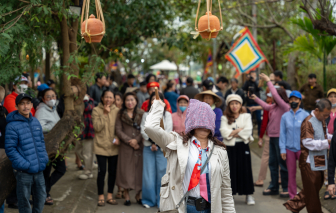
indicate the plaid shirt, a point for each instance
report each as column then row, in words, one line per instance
column 88, row 129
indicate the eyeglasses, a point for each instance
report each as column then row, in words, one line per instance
column 52, row 96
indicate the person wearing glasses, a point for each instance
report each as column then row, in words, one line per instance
column 47, row 115
column 129, row 169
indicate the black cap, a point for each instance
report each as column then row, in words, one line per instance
column 22, row 96
column 208, row 84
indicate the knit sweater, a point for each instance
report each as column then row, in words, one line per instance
column 275, row 111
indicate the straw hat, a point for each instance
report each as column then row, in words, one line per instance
column 200, row 96
column 333, row 90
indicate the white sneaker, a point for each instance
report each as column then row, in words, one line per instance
column 146, row 206
column 85, row 176
column 95, row 166
column 250, row 200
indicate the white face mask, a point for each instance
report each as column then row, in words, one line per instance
column 86, row 98
column 51, row 103
column 22, row 88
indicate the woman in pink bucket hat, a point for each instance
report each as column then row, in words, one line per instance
column 197, row 178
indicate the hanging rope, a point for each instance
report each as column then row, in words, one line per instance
column 100, row 16
column 209, row 10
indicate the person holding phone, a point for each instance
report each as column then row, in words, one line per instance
column 275, row 110
column 154, row 162
column 197, row 162
column 106, row 145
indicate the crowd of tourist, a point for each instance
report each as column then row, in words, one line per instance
column 181, row 144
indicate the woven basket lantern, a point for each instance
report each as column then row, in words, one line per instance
column 208, row 25
column 92, row 29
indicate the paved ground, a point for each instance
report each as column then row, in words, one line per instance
column 77, row 196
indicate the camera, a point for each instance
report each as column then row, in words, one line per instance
column 251, row 91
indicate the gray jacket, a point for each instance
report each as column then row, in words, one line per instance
column 142, row 97
column 46, row 116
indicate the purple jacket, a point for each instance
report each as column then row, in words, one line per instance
column 275, row 111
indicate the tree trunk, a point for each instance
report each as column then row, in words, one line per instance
column 291, row 71
column 47, row 66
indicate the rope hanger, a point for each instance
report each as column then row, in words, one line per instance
column 100, row 16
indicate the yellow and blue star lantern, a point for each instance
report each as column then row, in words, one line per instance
column 245, row 54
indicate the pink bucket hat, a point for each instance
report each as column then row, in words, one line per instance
column 199, row 115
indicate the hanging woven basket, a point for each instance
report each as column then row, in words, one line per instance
column 208, row 25
column 93, row 29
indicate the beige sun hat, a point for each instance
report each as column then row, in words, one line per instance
column 234, row 97
column 132, row 89
column 200, row 96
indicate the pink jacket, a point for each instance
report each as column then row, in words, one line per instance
column 275, row 111
column 179, row 117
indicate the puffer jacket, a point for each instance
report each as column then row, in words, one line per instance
column 177, row 152
column 179, row 117
column 24, row 143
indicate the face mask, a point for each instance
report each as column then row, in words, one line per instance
column 86, row 98
column 183, row 108
column 294, row 105
column 333, row 105
column 51, row 103
column 22, row 88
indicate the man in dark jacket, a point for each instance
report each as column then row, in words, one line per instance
column 25, row 148
column 128, row 83
column 251, row 86
column 311, row 92
column 97, row 89
column 235, row 90
column 190, row 90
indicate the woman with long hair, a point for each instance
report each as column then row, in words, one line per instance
column 106, row 145
column 192, row 170
column 236, row 128
column 154, row 162
column 118, row 99
column 276, row 111
column 129, row 173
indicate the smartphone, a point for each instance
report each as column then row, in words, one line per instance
column 251, row 91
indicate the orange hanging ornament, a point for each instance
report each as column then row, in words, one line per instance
column 93, row 29
column 208, row 25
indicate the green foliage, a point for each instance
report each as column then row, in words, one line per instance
column 315, row 42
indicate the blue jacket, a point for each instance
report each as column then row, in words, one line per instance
column 172, row 99
column 290, row 130
column 219, row 114
column 24, row 143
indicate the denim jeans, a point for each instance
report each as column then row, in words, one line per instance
column 2, row 208
column 274, row 161
column 154, row 167
column 192, row 209
column 257, row 114
column 27, row 183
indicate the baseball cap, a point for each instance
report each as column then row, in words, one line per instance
column 42, row 87
column 19, row 79
column 22, row 96
column 333, row 90
column 207, row 84
column 296, row 94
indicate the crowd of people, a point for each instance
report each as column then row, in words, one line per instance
column 194, row 140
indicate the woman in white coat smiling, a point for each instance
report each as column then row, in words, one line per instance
column 207, row 191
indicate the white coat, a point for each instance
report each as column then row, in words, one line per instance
column 177, row 153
